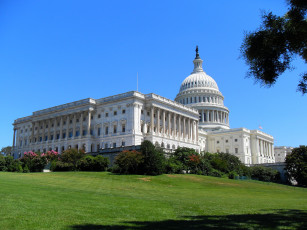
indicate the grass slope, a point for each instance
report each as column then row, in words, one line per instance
column 89, row 200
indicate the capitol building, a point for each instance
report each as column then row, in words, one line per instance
column 197, row 119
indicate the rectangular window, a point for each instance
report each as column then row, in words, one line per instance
column 123, row 143
column 106, row 145
column 84, row 133
column 236, row 150
column 115, row 113
column 227, row 150
column 236, row 140
column 46, row 138
column 91, row 132
column 107, row 130
column 115, row 129
column 64, row 135
column 114, row 145
column 70, row 121
column 70, row 134
column 123, row 128
column 77, row 133
column 99, row 115
column 123, row 111
column 57, row 136
column 40, row 139
column 107, row 114
column 98, row 131
column 51, row 137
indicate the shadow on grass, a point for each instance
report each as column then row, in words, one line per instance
column 285, row 219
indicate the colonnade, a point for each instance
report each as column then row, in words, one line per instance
column 217, row 116
column 266, row 149
column 170, row 124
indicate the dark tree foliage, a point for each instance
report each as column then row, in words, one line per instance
column 154, row 160
column 296, row 165
column 128, row 162
column 6, row 151
column 269, row 50
column 72, row 157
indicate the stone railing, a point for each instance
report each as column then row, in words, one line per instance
column 65, row 106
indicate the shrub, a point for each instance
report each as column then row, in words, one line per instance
column 128, row 162
column 72, row 157
column 86, row 163
column 2, row 163
column 296, row 165
column 154, row 161
column 26, row 169
column 90, row 163
column 62, row 166
column 215, row 173
column 34, row 161
column 173, row 166
column 264, row 174
column 232, row 175
column 101, row 163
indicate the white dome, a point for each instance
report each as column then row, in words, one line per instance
column 201, row 92
column 198, row 80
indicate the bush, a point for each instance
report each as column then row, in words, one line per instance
column 101, row 163
column 173, row 166
column 34, row 161
column 59, row 166
column 154, row 161
column 296, row 165
column 72, row 157
column 215, row 173
column 26, row 169
column 232, row 175
column 264, row 174
column 128, row 162
column 2, row 163
column 90, row 163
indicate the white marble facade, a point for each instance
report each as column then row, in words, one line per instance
column 196, row 119
column 121, row 120
column 281, row 152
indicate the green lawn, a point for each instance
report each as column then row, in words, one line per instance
column 90, row 200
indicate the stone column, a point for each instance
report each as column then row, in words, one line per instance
column 152, row 119
column 179, row 127
column 81, row 125
column 49, row 126
column 158, row 120
column 163, row 121
column 54, row 128
column 74, row 126
column 184, row 128
column 169, row 123
column 175, row 126
column 67, row 126
column 89, row 123
column 61, row 129
column 14, row 137
column 37, row 133
column 189, row 129
column 32, row 133
column 196, row 132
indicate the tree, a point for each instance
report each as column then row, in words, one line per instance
column 270, row 49
column 72, row 156
column 6, row 150
column 154, row 161
column 296, row 165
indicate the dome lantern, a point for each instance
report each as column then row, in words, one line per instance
column 198, row 63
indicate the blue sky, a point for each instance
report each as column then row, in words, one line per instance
column 54, row 52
